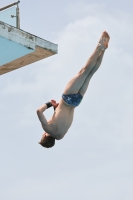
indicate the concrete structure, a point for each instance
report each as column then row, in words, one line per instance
column 19, row 48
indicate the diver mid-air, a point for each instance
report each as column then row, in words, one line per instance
column 72, row 96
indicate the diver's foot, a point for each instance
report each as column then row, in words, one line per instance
column 104, row 40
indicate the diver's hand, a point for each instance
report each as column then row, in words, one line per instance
column 54, row 104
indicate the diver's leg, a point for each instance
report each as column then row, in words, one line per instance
column 76, row 82
column 87, row 80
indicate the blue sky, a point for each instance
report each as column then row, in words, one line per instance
column 94, row 160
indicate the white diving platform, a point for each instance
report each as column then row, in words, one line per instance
column 19, row 48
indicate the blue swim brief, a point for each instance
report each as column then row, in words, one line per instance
column 72, row 99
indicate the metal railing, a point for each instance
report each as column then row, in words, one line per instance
column 17, row 12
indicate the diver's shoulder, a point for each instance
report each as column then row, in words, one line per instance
column 59, row 137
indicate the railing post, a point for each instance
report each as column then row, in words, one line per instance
column 17, row 17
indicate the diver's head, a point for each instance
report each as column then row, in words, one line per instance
column 47, row 141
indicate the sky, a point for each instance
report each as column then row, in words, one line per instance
column 94, row 160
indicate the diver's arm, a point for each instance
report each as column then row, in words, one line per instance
column 42, row 117
column 42, row 108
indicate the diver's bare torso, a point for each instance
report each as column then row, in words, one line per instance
column 61, row 119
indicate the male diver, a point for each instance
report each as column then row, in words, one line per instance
column 60, row 122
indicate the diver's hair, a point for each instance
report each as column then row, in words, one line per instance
column 47, row 141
